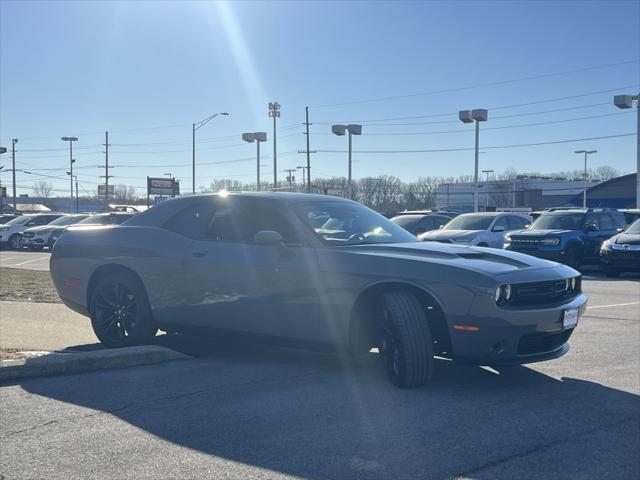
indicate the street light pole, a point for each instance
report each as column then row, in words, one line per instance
column 626, row 101
column 13, row 172
column 274, row 111
column 194, row 127
column 467, row 116
column 584, row 192
column 352, row 129
column 71, row 162
column 257, row 137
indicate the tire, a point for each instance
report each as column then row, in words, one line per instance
column 120, row 313
column 15, row 242
column 406, row 343
column 572, row 258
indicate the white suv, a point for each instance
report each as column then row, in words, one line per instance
column 479, row 229
column 11, row 232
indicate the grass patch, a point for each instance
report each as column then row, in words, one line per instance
column 18, row 285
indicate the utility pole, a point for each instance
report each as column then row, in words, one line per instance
column 106, row 175
column 623, row 102
column 307, row 124
column 13, row 172
column 274, row 112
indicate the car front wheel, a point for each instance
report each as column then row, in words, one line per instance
column 406, row 343
column 15, row 242
column 120, row 313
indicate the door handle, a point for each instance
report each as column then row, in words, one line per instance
column 198, row 254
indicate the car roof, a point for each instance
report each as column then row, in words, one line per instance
column 495, row 214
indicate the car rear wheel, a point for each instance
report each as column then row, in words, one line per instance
column 406, row 343
column 15, row 242
column 120, row 313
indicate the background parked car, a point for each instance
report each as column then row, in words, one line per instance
column 572, row 236
column 621, row 253
column 630, row 214
column 479, row 229
column 37, row 238
column 5, row 218
column 421, row 223
column 11, row 232
column 112, row 218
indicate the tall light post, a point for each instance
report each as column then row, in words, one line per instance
column 74, row 178
column 468, row 116
column 626, row 101
column 195, row 127
column 584, row 192
column 274, row 112
column 71, row 162
column 13, row 172
column 257, row 137
column 487, row 172
column 352, row 129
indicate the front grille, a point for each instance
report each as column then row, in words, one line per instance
column 539, row 342
column 539, row 293
column 525, row 242
column 28, row 234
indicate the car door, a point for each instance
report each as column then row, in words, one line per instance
column 592, row 238
column 238, row 285
column 496, row 238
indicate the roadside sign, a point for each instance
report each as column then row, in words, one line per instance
column 160, row 186
column 158, row 199
column 102, row 189
column 3, row 192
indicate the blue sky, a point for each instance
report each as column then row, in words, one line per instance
column 80, row 68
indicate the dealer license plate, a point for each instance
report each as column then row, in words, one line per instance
column 570, row 318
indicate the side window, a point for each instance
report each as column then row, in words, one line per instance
column 620, row 221
column 500, row 222
column 515, row 223
column 440, row 220
column 240, row 222
column 592, row 220
column 606, row 223
column 425, row 225
column 192, row 221
column 42, row 220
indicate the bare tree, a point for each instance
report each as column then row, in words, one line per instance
column 42, row 188
column 606, row 172
column 124, row 193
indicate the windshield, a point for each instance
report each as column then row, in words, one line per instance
column 66, row 220
column 469, row 222
column 96, row 220
column 18, row 220
column 349, row 224
column 559, row 221
column 406, row 221
column 634, row 227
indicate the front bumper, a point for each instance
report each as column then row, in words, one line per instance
column 624, row 261
column 553, row 255
column 35, row 241
column 514, row 336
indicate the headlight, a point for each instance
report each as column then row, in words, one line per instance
column 503, row 293
column 507, row 238
column 550, row 241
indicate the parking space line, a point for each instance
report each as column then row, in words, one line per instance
column 29, row 261
column 614, row 305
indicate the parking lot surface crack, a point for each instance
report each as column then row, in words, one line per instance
column 538, row 448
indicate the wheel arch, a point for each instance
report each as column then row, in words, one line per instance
column 108, row 269
column 361, row 322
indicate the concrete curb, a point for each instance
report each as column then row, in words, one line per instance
column 65, row 363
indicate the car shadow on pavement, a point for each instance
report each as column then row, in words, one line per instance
column 317, row 415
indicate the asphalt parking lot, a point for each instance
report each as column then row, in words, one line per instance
column 24, row 259
column 250, row 410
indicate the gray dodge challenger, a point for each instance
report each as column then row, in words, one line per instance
column 315, row 270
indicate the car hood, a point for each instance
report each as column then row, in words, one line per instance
column 540, row 233
column 627, row 238
column 40, row 229
column 88, row 226
column 450, row 234
column 479, row 259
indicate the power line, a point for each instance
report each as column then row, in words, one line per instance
column 478, row 85
column 484, row 148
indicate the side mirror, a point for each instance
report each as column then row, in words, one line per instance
column 591, row 228
column 526, row 227
column 440, row 227
column 498, row 228
column 268, row 238
column 620, row 229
